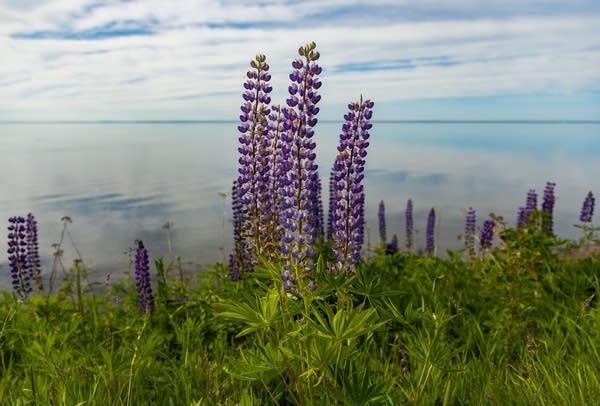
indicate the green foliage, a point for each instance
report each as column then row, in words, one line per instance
column 518, row 326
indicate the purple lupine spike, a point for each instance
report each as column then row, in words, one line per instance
column 17, row 256
column 470, row 232
column 487, row 234
column 142, row 279
column 430, row 233
column 392, row 247
column 381, row 218
column 409, row 225
column 300, row 180
column 548, row 208
column 587, row 208
column 239, row 259
column 524, row 214
column 331, row 209
column 318, row 215
column 255, row 156
column 347, row 211
column 33, row 256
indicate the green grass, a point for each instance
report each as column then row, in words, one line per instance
column 520, row 326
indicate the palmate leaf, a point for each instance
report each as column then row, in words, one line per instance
column 260, row 316
column 346, row 324
column 260, row 363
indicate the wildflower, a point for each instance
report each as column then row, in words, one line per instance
column 392, row 247
column 299, row 180
column 33, row 256
column 430, row 233
column 142, row 279
column 17, row 256
column 381, row 218
column 409, row 224
column 548, row 208
column 348, row 212
column 239, row 259
column 255, row 152
column 487, row 234
column 587, row 209
column 524, row 214
column 470, row 232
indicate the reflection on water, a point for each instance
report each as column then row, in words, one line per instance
column 119, row 182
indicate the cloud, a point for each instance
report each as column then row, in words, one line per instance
column 182, row 59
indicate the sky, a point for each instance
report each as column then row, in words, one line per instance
column 186, row 60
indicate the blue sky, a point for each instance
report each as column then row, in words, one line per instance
column 156, row 59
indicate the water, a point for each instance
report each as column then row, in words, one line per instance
column 123, row 181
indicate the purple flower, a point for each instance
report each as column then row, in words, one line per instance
column 587, row 209
column 392, row 247
column 548, row 208
column 17, row 256
column 299, row 186
column 347, row 206
column 524, row 215
column 33, row 256
column 430, row 233
column 255, row 161
column 381, row 218
column 487, row 234
column 409, row 224
column 142, row 279
column 470, row 232
column 239, row 259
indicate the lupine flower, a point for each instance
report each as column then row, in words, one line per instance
column 381, row 218
column 255, row 153
column 470, row 232
column 299, row 186
column 409, row 224
column 17, row 256
column 487, row 234
column 318, row 215
column 430, row 233
column 524, row 215
column 548, row 208
column 239, row 259
column 587, row 209
column 33, row 256
column 392, row 247
column 330, row 212
column 348, row 212
column 142, row 279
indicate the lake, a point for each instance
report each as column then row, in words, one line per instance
column 123, row 181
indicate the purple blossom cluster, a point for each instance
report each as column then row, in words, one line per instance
column 142, row 279
column 381, row 218
column 430, row 233
column 347, row 205
column 23, row 254
column 487, row 234
column 470, row 224
column 524, row 215
column 392, row 247
column 548, row 208
column 409, row 224
column 587, row 208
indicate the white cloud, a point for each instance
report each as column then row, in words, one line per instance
column 190, row 70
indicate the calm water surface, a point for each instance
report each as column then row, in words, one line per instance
column 119, row 182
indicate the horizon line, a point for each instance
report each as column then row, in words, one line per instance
column 383, row 121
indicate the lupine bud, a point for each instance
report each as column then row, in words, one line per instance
column 33, row 256
column 142, row 279
column 239, row 259
column 430, row 233
column 587, row 209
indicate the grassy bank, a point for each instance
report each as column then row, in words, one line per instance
column 519, row 326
